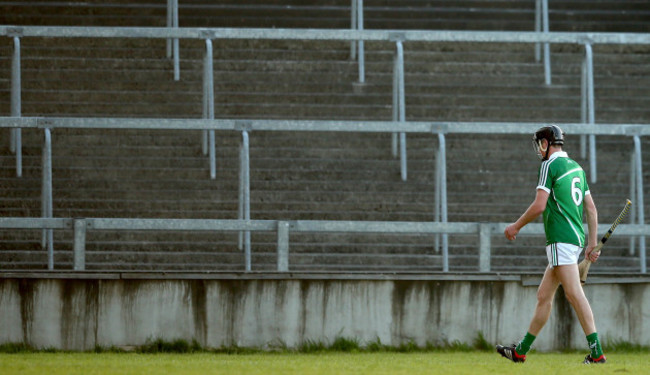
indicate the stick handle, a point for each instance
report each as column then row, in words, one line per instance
column 583, row 267
column 618, row 220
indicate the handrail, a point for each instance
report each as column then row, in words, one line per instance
column 245, row 126
column 400, row 36
column 484, row 231
column 445, row 127
column 325, row 34
column 356, row 23
column 358, row 35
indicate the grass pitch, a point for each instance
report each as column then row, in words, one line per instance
column 318, row 363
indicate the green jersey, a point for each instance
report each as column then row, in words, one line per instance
column 566, row 183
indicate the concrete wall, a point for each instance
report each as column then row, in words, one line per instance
column 78, row 314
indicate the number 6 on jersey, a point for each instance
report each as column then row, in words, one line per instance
column 576, row 192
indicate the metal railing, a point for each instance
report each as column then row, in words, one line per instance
column 484, row 232
column 246, row 126
column 357, row 51
column 541, row 25
column 396, row 36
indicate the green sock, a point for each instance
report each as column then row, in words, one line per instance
column 524, row 345
column 594, row 345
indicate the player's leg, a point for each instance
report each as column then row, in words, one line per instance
column 570, row 279
column 545, row 296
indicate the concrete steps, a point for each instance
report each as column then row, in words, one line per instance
column 453, row 92
column 302, row 176
column 577, row 15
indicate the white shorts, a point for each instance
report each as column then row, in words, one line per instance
column 560, row 254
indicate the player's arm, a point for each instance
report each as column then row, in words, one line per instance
column 592, row 225
column 534, row 210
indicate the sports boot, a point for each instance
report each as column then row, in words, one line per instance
column 589, row 360
column 510, row 353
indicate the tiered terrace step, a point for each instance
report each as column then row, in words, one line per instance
column 301, row 176
column 574, row 15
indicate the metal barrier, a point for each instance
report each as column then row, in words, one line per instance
column 398, row 37
column 484, row 231
column 356, row 23
column 245, row 126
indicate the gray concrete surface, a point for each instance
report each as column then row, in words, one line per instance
column 80, row 311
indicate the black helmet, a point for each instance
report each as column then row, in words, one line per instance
column 553, row 135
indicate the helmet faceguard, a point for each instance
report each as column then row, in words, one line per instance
column 537, row 148
column 553, row 135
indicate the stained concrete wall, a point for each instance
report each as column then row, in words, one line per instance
column 79, row 314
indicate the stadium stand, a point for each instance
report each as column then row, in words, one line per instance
column 300, row 176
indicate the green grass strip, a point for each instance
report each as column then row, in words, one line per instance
column 378, row 363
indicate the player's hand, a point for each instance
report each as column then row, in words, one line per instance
column 511, row 232
column 591, row 254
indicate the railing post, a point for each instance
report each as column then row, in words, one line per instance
column 172, row 44
column 362, row 59
column 639, row 197
column 210, row 85
column 16, row 110
column 538, row 28
column 79, row 244
column 437, row 199
column 240, row 196
column 170, row 23
column 209, row 143
column 245, row 188
column 583, row 107
column 399, row 105
column 204, row 101
column 353, row 26
column 591, row 111
column 283, row 246
column 402, row 109
column 547, row 50
column 633, row 211
column 46, row 197
column 485, row 245
column 396, row 102
column 441, row 194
